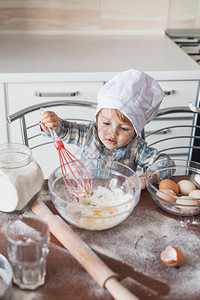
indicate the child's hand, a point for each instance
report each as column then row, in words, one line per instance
column 49, row 119
column 143, row 181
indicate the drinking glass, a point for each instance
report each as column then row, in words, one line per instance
column 27, row 245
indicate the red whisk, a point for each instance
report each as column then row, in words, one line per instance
column 80, row 182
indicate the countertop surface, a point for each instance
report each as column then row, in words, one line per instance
column 32, row 57
column 131, row 249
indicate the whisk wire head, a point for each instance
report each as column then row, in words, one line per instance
column 81, row 182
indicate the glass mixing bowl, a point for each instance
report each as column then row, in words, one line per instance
column 111, row 201
column 5, row 277
column 182, row 170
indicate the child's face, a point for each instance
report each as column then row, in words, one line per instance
column 113, row 132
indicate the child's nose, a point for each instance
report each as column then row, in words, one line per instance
column 113, row 130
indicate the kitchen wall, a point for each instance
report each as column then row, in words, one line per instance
column 184, row 14
column 64, row 15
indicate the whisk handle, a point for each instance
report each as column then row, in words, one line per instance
column 54, row 136
column 59, row 145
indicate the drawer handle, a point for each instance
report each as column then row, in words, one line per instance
column 168, row 93
column 161, row 132
column 43, row 94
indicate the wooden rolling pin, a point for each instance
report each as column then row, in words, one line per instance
column 105, row 277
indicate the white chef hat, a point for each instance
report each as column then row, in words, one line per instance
column 135, row 94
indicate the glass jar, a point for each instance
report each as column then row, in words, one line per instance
column 21, row 178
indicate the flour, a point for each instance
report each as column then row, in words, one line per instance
column 101, row 198
column 23, row 232
column 18, row 294
column 104, row 197
column 19, row 185
column 103, row 209
column 71, row 274
column 138, row 242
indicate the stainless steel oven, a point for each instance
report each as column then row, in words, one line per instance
column 188, row 40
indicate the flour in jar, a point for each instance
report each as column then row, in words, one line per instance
column 19, row 185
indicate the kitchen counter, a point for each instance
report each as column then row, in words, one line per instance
column 77, row 57
column 132, row 249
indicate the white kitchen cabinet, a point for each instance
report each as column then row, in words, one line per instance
column 178, row 93
column 170, row 133
column 3, row 128
column 21, row 95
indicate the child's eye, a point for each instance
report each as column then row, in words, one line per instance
column 124, row 129
column 106, row 123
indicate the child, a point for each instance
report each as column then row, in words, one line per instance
column 126, row 104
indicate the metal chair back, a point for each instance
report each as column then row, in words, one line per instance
column 176, row 132
column 24, row 116
column 24, row 128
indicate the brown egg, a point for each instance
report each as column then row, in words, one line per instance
column 172, row 256
column 169, row 184
column 166, row 197
column 186, row 186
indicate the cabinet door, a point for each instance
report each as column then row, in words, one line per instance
column 182, row 134
column 3, row 127
column 24, row 95
column 178, row 93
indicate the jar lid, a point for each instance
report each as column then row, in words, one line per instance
column 14, row 155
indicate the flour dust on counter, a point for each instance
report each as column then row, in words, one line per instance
column 19, row 227
column 71, row 273
column 135, row 245
column 138, row 242
column 18, row 294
